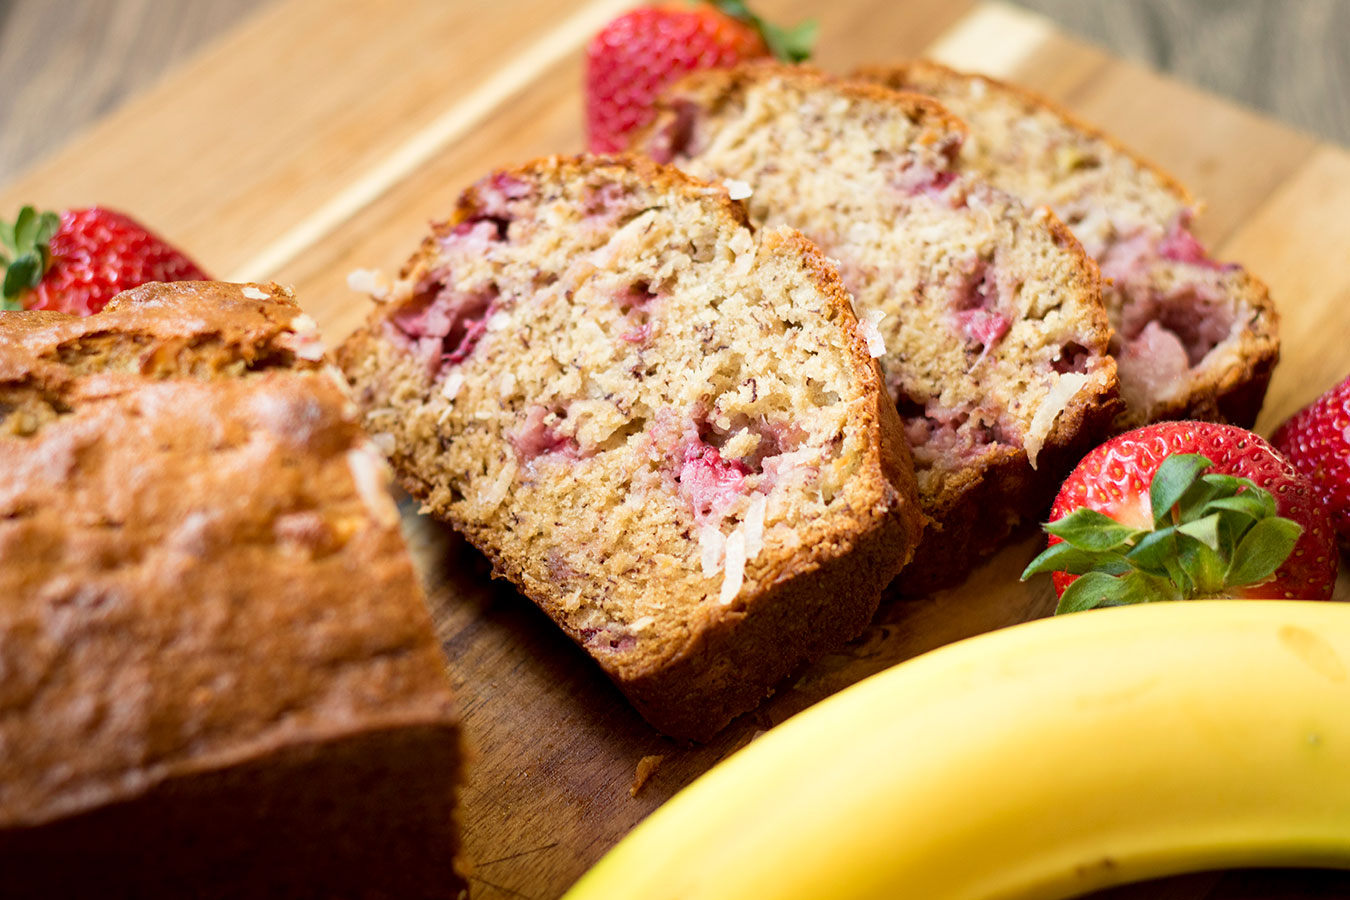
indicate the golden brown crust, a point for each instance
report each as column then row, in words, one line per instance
column 715, row 86
column 917, row 76
column 661, row 178
column 728, row 657
column 207, row 613
column 815, row 608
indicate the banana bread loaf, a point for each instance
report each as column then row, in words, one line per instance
column 217, row 674
column 670, row 436
column 1194, row 338
column 994, row 334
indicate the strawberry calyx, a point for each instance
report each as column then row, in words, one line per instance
column 788, row 44
column 1211, row 535
column 25, row 253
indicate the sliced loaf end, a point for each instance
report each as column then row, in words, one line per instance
column 220, row 675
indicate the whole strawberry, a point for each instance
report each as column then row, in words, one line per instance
column 76, row 262
column 640, row 52
column 1186, row 510
column 1317, row 442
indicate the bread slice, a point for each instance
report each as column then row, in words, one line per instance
column 994, row 334
column 669, row 436
column 217, row 674
column 1195, row 338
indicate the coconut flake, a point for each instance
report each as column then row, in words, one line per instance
column 303, row 324
column 754, row 526
column 310, row 349
column 738, row 190
column 710, row 544
column 371, row 477
column 868, row 331
column 743, row 246
column 496, row 492
column 498, row 320
column 367, row 281
column 734, row 577
column 640, row 623
column 1054, row 403
column 307, row 345
column 384, row 442
column 253, row 293
column 507, row 387
column 453, row 382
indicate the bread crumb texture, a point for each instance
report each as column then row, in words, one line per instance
column 1194, row 337
column 647, row 417
column 985, row 313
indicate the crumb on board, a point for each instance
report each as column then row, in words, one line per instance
column 646, row 768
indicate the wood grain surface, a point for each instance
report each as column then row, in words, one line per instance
column 1287, row 59
column 320, row 136
column 67, row 63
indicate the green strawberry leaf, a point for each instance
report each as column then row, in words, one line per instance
column 1228, row 484
column 1198, row 496
column 1205, row 530
column 1088, row 529
column 1064, row 557
column 788, row 44
column 1232, row 527
column 1153, row 550
column 1262, row 550
column 47, row 226
column 1245, row 504
column 1211, row 533
column 1097, row 589
column 1089, row 592
column 27, row 241
column 24, row 273
column 1174, row 477
column 25, row 229
column 1203, row 566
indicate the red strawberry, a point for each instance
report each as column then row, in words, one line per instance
column 640, row 52
column 1317, row 441
column 78, row 261
column 1183, row 510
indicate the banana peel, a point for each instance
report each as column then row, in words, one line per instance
column 1040, row 761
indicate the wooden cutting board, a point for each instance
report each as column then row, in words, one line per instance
column 322, row 136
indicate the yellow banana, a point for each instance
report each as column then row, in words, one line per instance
column 1040, row 761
